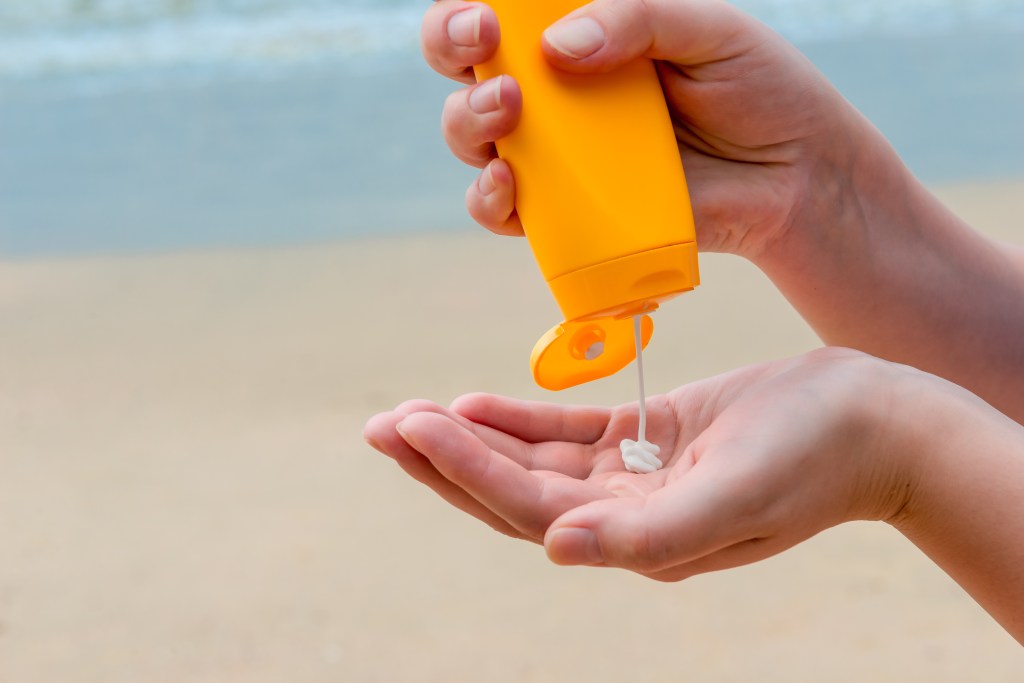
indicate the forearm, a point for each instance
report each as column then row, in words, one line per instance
column 873, row 261
column 965, row 509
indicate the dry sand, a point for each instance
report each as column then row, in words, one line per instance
column 185, row 496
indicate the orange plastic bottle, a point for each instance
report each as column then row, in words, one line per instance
column 601, row 194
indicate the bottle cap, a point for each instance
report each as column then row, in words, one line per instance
column 575, row 352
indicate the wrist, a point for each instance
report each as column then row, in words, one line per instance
column 931, row 424
column 891, row 437
column 851, row 181
column 965, row 497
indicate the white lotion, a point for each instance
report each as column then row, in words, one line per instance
column 640, row 456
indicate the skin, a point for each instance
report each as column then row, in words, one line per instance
column 784, row 172
column 756, row 461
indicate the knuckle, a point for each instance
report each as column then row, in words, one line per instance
column 491, row 214
column 478, row 212
column 455, row 112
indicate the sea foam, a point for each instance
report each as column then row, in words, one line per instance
column 42, row 37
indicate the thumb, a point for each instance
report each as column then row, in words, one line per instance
column 689, row 519
column 609, row 33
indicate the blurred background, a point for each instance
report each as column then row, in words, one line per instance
column 230, row 232
column 139, row 125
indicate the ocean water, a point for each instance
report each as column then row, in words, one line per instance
column 91, row 36
column 155, row 124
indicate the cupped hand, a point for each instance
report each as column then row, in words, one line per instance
column 756, row 461
column 758, row 126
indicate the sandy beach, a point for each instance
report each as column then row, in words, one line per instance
column 185, row 495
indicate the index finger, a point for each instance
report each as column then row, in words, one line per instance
column 458, row 35
column 528, row 501
column 535, row 422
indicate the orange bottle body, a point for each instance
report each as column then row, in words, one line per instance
column 600, row 188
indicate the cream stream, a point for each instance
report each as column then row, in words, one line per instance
column 640, row 456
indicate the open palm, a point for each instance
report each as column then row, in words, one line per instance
column 519, row 466
column 756, row 461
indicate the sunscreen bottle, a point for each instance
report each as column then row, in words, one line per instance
column 601, row 194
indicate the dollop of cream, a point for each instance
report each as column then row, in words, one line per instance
column 640, row 457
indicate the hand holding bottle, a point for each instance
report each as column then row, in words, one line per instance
column 781, row 170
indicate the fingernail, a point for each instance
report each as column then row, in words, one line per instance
column 398, row 428
column 374, row 444
column 575, row 546
column 464, row 28
column 486, row 97
column 486, row 184
column 576, row 38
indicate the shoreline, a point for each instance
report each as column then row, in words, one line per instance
column 322, row 154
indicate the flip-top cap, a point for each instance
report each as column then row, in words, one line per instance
column 572, row 353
